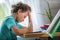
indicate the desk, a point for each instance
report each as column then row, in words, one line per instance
column 40, row 35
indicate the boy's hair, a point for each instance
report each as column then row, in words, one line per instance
column 22, row 6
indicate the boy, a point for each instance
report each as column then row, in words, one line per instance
column 10, row 27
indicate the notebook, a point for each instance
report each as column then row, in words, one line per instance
column 51, row 30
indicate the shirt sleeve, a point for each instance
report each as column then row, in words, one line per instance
column 10, row 23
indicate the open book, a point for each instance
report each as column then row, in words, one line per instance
column 54, row 25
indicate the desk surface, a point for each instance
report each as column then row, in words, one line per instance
column 37, row 35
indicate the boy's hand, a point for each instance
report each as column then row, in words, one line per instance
column 23, row 30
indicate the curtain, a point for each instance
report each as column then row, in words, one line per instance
column 4, row 10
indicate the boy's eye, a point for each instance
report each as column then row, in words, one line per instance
column 24, row 16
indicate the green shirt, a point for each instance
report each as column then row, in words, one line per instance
column 5, row 31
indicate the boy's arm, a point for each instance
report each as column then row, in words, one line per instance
column 30, row 28
column 23, row 30
column 20, row 31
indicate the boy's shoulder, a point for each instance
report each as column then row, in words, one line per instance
column 7, row 18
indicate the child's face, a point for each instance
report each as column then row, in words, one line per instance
column 22, row 15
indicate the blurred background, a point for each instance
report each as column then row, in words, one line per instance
column 38, row 7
